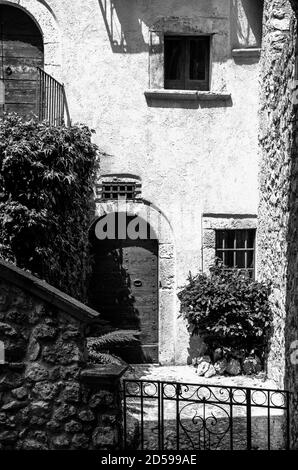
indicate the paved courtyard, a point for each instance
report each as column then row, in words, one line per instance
column 205, row 415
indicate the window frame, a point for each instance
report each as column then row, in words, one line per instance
column 121, row 191
column 186, row 83
column 235, row 250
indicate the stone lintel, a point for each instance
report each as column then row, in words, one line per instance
column 229, row 221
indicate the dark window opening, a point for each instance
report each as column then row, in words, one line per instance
column 118, row 190
column 236, row 249
column 186, row 61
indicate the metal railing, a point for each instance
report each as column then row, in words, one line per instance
column 179, row 416
column 51, row 100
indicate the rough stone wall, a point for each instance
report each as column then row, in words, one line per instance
column 291, row 324
column 44, row 404
column 276, row 135
column 277, row 234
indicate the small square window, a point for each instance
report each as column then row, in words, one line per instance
column 186, row 61
column 236, row 248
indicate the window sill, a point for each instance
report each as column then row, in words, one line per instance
column 246, row 53
column 186, row 95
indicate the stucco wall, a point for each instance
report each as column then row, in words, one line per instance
column 191, row 160
column 192, row 156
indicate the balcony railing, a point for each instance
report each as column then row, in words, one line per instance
column 51, row 100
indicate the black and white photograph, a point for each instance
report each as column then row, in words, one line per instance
column 148, row 230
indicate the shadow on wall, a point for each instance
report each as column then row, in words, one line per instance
column 196, row 347
column 291, row 322
column 246, row 19
column 123, row 25
column 153, row 102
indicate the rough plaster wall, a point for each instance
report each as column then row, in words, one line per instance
column 191, row 160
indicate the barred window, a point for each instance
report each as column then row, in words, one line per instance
column 118, row 190
column 236, row 248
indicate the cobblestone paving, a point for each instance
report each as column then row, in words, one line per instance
column 203, row 425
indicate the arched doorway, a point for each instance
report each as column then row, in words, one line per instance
column 21, row 52
column 124, row 287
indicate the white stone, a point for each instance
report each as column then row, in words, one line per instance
column 203, row 367
column 211, row 372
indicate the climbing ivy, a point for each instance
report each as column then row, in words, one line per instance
column 46, row 179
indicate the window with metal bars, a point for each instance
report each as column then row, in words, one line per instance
column 118, row 190
column 236, row 248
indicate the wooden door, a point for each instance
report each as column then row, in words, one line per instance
column 124, row 288
column 21, row 52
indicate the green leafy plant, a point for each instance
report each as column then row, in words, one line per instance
column 107, row 348
column 46, row 181
column 229, row 310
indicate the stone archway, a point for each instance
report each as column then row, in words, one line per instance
column 45, row 19
column 166, row 269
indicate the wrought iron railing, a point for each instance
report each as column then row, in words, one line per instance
column 51, row 100
column 177, row 416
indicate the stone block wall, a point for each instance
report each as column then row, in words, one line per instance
column 277, row 232
column 276, row 135
column 46, row 398
column 291, row 326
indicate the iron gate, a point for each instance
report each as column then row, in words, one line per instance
column 180, row 416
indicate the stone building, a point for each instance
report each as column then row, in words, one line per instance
column 277, row 230
column 190, row 102
column 171, row 89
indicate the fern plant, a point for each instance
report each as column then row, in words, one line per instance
column 107, row 348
